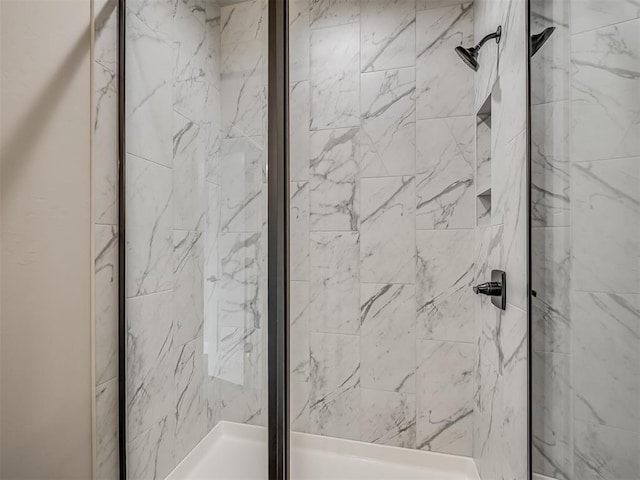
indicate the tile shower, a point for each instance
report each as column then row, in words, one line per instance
column 388, row 343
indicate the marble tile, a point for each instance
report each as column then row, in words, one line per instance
column 242, row 286
column 299, row 131
column 189, row 153
column 388, row 132
column 444, row 165
column 299, row 406
column 444, row 279
column 105, row 144
column 335, row 75
column 552, row 415
column 106, row 303
column 605, row 453
column 387, row 337
column 325, row 13
column 333, row 186
column 447, row 90
column 550, row 168
column 150, row 362
column 388, row 418
column 156, row 14
column 299, row 231
column 150, row 456
column 606, row 212
column 149, row 82
column 387, row 230
column 243, row 22
column 106, row 460
column 255, row 358
column 105, row 13
column 242, row 89
column 334, row 287
column 606, row 373
column 242, row 172
column 193, row 50
column 551, row 280
column 242, row 405
column 188, row 288
column 387, row 30
column 488, row 418
column 298, row 40
column 605, row 105
column 515, row 398
column 509, row 207
column 299, row 334
column 229, row 363
column 444, row 393
column 212, row 389
column 592, row 14
column 149, row 236
column 334, row 398
column 190, row 407
column 213, row 39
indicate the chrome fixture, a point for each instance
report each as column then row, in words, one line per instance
column 470, row 55
column 496, row 289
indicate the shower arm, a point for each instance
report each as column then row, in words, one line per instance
column 497, row 35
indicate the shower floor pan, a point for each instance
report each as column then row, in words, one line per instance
column 237, row 451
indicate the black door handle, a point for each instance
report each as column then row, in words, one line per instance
column 492, row 289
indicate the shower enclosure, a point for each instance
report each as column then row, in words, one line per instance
column 310, row 192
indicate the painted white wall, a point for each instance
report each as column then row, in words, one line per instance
column 46, row 394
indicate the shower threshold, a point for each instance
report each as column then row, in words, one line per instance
column 237, row 451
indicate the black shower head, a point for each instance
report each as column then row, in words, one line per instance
column 470, row 55
column 537, row 41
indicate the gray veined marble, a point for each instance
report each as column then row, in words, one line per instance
column 326, row 13
column 388, row 418
column 387, row 230
column 388, row 132
column 150, row 244
column 333, row 186
column 606, row 359
column 387, row 34
column 299, row 131
column 188, row 289
column 607, row 212
column 592, row 14
column 299, row 231
column 298, row 40
column 605, row 105
column 445, row 172
column 444, row 392
column 444, row 278
column 334, row 292
column 387, row 337
column 334, row 399
column 299, row 406
column 444, row 84
column 107, row 434
column 151, row 455
column 335, row 76
column 299, row 346
column 242, row 22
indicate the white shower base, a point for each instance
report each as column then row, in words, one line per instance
column 237, row 451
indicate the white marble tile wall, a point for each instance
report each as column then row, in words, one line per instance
column 501, row 337
column 382, row 218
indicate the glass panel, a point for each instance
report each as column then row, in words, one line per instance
column 585, row 239
column 394, row 217
column 196, row 238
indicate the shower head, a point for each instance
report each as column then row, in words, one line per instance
column 537, row 41
column 470, row 55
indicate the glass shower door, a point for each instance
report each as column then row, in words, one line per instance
column 196, row 240
column 585, row 241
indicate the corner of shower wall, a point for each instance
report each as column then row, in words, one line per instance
column 501, row 337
